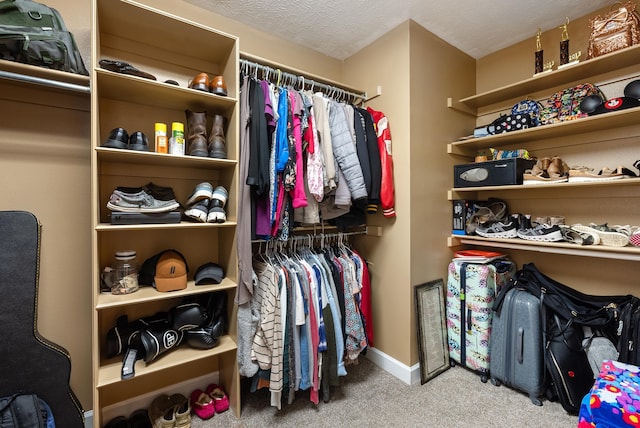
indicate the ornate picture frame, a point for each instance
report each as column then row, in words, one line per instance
column 431, row 321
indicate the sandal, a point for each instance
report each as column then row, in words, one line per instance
column 584, row 174
column 494, row 211
column 574, row 236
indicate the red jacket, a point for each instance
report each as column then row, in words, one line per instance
column 387, row 199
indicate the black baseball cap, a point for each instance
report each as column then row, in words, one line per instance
column 209, row 273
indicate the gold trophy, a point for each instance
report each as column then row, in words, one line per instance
column 565, row 57
column 539, row 53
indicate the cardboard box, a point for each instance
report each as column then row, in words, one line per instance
column 463, row 209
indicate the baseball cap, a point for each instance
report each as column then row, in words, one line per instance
column 209, row 273
column 166, row 271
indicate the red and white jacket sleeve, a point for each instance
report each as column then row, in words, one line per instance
column 387, row 198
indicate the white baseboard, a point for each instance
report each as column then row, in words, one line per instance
column 408, row 375
column 88, row 419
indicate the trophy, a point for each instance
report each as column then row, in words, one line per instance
column 564, row 43
column 539, row 53
column 565, row 57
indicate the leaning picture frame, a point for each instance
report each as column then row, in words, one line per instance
column 433, row 349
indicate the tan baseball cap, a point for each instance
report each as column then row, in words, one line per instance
column 171, row 272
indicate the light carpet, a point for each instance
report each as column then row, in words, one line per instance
column 370, row 397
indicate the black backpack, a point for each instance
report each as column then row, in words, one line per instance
column 33, row 33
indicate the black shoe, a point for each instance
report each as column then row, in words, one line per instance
column 124, row 68
column 140, row 419
column 160, row 193
column 138, row 141
column 117, row 422
column 118, row 139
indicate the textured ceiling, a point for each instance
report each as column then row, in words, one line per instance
column 340, row 28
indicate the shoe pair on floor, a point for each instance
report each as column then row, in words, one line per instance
column 172, row 411
column 207, row 403
column 138, row 419
column 206, row 204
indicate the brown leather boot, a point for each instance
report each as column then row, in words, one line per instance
column 196, row 133
column 218, row 86
column 217, row 143
column 201, row 82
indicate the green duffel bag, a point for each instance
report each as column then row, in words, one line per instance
column 33, row 33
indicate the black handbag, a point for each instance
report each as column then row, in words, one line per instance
column 567, row 363
column 511, row 122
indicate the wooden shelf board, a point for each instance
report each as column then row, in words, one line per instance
column 147, row 294
column 107, row 227
column 138, row 90
column 599, row 251
column 45, row 73
column 615, row 119
column 109, row 374
column 147, row 25
column 533, row 187
column 162, row 159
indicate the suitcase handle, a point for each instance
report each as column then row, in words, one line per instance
column 520, row 345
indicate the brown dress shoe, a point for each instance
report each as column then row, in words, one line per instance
column 196, row 133
column 218, row 86
column 200, row 82
column 217, row 143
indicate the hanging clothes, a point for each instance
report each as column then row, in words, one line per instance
column 310, row 320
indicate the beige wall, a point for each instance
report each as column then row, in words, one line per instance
column 417, row 72
column 45, row 169
column 386, row 63
column 438, row 71
column 516, row 63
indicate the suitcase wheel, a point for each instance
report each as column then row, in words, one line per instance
column 452, row 363
column 484, row 378
column 495, row 382
column 536, row 401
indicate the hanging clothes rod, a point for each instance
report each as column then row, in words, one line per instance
column 312, row 235
column 44, row 82
column 296, row 77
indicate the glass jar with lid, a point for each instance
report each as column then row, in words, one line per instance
column 124, row 273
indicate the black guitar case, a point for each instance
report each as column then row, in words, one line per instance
column 29, row 363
